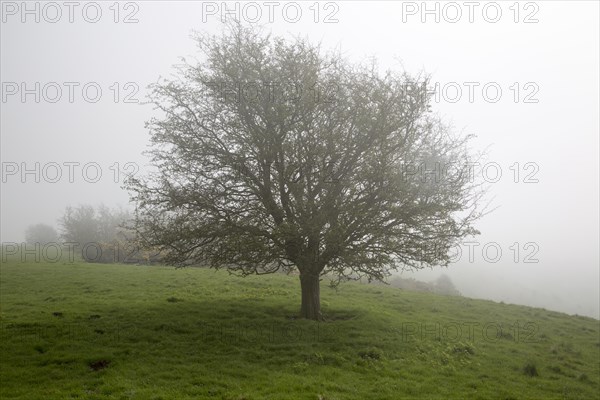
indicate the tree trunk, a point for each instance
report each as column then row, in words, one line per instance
column 311, row 297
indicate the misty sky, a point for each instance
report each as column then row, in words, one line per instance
column 534, row 106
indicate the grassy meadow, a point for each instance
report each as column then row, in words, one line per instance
column 72, row 330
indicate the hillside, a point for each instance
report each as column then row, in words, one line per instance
column 85, row 331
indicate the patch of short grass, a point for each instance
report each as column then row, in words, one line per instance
column 92, row 331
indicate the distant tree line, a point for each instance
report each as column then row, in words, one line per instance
column 102, row 235
column 96, row 234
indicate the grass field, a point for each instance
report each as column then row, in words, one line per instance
column 90, row 331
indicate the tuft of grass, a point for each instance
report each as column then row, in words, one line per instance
column 39, row 348
column 99, row 364
column 463, row 348
column 556, row 369
column 583, row 377
column 530, row 369
column 372, row 354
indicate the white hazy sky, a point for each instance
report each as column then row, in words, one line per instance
column 547, row 52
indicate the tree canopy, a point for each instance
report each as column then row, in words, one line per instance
column 41, row 233
column 273, row 154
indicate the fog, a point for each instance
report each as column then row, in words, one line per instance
column 527, row 85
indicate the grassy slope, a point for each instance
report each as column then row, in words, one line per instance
column 195, row 334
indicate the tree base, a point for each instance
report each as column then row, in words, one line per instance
column 311, row 297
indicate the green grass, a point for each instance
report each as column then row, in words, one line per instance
column 90, row 331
